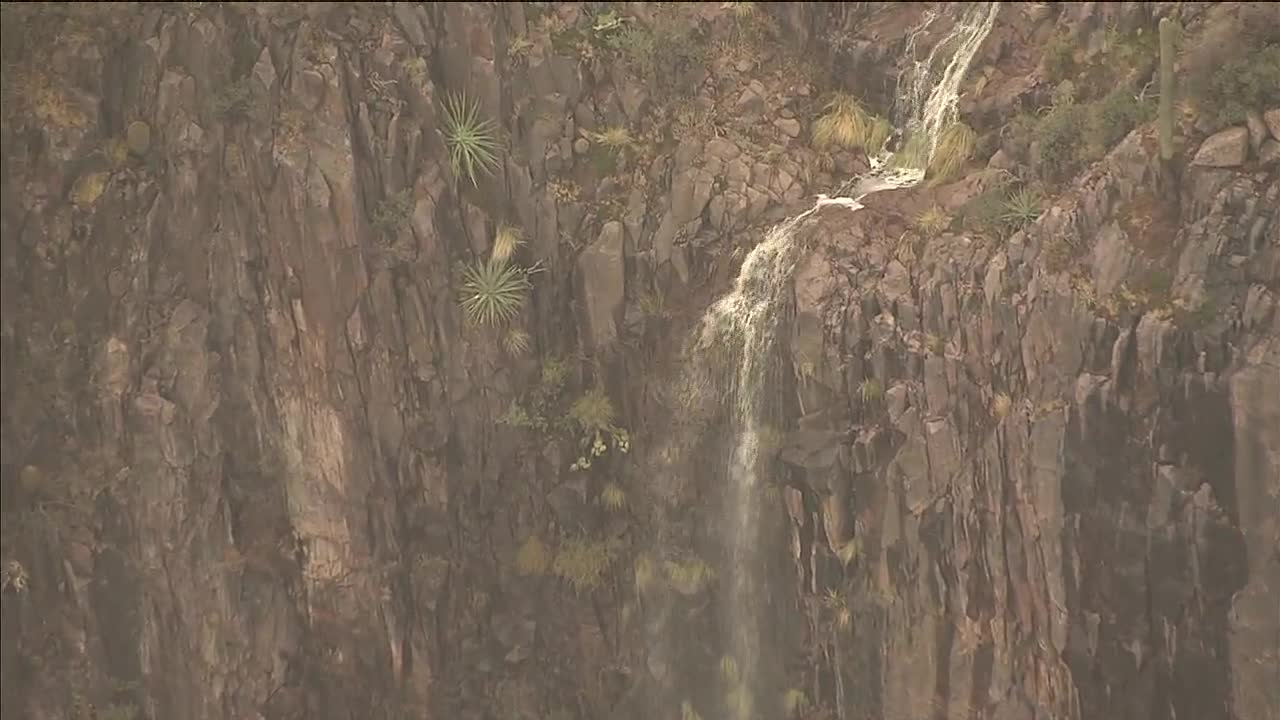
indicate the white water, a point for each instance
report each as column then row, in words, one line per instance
column 744, row 323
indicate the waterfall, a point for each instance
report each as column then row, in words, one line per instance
column 743, row 325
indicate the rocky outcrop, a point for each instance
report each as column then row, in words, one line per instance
column 1229, row 148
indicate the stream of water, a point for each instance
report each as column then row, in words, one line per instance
column 743, row 325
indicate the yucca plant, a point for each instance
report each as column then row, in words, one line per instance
column 614, row 138
column 954, row 147
column 932, row 221
column 472, row 139
column 516, row 342
column 1021, row 208
column 492, row 292
column 505, row 242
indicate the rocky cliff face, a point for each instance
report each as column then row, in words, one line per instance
column 258, row 464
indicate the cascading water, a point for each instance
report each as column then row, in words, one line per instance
column 743, row 325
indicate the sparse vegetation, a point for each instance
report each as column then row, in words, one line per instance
column 533, row 557
column 515, row 342
column 505, row 243
column 845, row 124
column 932, row 221
column 233, row 99
column 664, row 52
column 391, row 214
column 582, row 562
column 1114, row 116
column 471, row 139
column 870, row 390
column 1059, row 57
column 492, row 292
column 953, row 150
column 1021, row 208
column 1234, row 65
column 612, row 496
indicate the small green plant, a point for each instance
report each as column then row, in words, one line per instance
column 1059, row 57
column 533, row 557
column 954, row 148
column 392, row 213
column 233, row 99
column 1114, row 116
column 795, row 702
column 471, row 139
column 613, row 497
column 505, row 243
column 1021, row 208
column 932, row 221
column 870, row 390
column 492, row 292
column 845, row 124
column 582, row 562
column 615, row 138
column 688, row 575
column 515, row 342
column 592, row 415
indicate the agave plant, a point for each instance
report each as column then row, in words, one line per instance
column 613, row 497
column 1021, row 208
column 614, row 138
column 932, row 221
column 472, row 139
column 492, row 292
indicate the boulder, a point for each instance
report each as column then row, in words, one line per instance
column 1269, row 154
column 138, row 137
column 1229, row 148
column 1272, row 120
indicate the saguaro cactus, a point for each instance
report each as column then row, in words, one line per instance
column 1168, row 30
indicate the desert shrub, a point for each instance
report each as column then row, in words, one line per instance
column 1059, row 57
column 505, row 243
column 392, row 213
column 1059, row 139
column 665, row 52
column 1243, row 83
column 233, row 99
column 582, row 562
column 845, row 124
column 954, row 148
column 1111, row 118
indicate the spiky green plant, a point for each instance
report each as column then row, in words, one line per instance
column 472, row 139
column 515, row 342
column 614, row 138
column 955, row 145
column 505, row 242
column 1021, row 208
column 492, row 292
column 932, row 221
column 613, row 497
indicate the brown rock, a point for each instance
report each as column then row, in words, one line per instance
column 1272, row 120
column 1229, row 148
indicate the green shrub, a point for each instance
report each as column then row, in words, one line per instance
column 392, row 213
column 1247, row 82
column 1059, row 57
column 1114, row 116
column 1059, row 139
column 471, row 139
column 233, row 99
column 665, row 52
